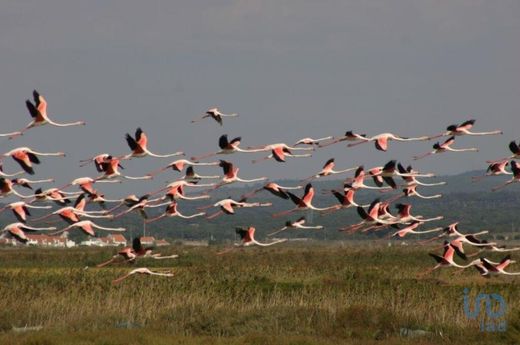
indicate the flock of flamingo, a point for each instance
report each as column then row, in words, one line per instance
column 375, row 216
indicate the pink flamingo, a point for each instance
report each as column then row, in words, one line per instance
column 274, row 189
column 171, row 211
column 88, row 227
column 179, row 165
column 514, row 148
column 111, row 170
column 17, row 230
column 515, row 167
column 311, row 141
column 303, row 203
column 142, row 270
column 231, row 175
column 194, row 178
column 444, row 147
column 494, row 169
column 410, row 229
column 21, row 209
column 280, row 151
column 26, row 157
column 38, row 112
column 298, row 224
column 138, row 145
column 215, row 114
column 226, row 147
column 328, row 169
column 463, row 129
column 381, row 140
column 228, row 206
column 349, row 136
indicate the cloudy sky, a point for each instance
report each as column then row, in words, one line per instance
column 291, row 69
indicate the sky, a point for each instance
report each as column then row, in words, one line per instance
column 290, row 68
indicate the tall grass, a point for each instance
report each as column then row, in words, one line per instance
column 312, row 294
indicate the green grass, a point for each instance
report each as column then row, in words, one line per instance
column 285, row 295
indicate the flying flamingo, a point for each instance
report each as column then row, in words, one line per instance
column 404, row 215
column 494, row 169
column 231, row 175
column 446, row 260
column 21, row 209
column 381, row 140
column 17, row 230
column 311, row 141
column 463, row 129
column 176, row 190
column 54, row 194
column 171, row 211
column 38, row 112
column 410, row 229
column 72, row 214
column 88, row 227
column 228, row 206
column 349, row 136
column 179, row 165
column 6, row 188
column 370, row 218
column 280, row 151
column 215, row 114
column 138, row 145
column 411, row 179
column 26, row 157
column 130, row 254
column 328, row 169
column 359, row 181
column 298, row 224
column 226, row 147
column 452, row 230
column 248, row 238
column 140, row 205
column 495, row 248
column 390, row 170
column 411, row 190
column 515, row 167
column 86, row 184
column 142, row 270
column 500, row 268
column 98, row 161
column 192, row 177
column 514, row 148
column 346, row 199
column 111, row 170
column 444, row 147
column 274, row 189
column 303, row 203
column 100, row 199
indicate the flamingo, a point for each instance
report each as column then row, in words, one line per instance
column 130, row 254
column 311, row 141
column 346, row 199
column 463, row 129
column 215, row 114
column 176, row 190
column 100, row 199
column 298, row 224
column 179, row 164
column 500, row 268
column 328, row 169
column 142, row 270
column 404, row 215
column 359, row 178
column 446, row 260
column 515, row 167
column 140, row 205
column 411, row 190
column 444, row 147
column 494, row 169
column 38, row 112
column 86, row 184
column 370, row 218
column 21, row 209
column 72, row 214
column 495, row 248
column 88, row 227
column 410, row 229
column 138, row 145
column 171, row 211
column 226, row 147
column 98, row 161
column 194, row 178
column 17, row 230
column 248, row 238
column 411, row 179
column 6, row 188
column 381, row 140
column 349, row 136
column 390, row 170
column 280, row 151
column 274, row 189
column 303, row 203
column 111, row 170
column 25, row 156
column 452, row 230
column 231, row 175
column 514, row 148
column 54, row 194
column 228, row 206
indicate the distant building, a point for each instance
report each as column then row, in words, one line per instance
column 162, row 243
column 147, row 241
column 112, row 240
column 49, row 241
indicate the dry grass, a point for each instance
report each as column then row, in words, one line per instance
column 284, row 295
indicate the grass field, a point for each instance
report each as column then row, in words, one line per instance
column 293, row 294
